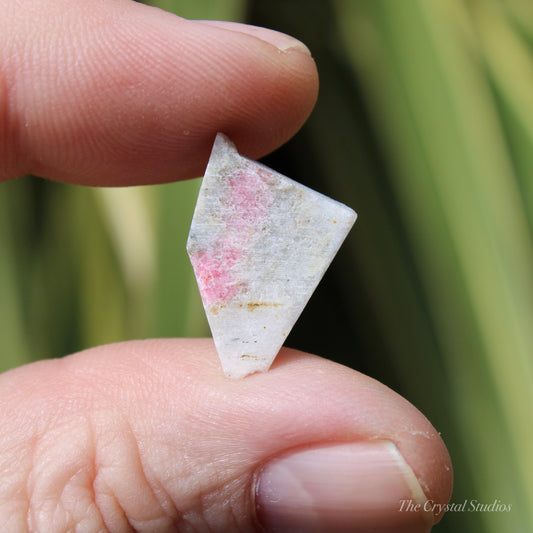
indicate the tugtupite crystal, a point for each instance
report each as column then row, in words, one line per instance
column 259, row 244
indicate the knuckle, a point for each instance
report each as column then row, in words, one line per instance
column 87, row 474
column 59, row 485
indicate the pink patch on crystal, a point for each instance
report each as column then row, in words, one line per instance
column 246, row 208
column 249, row 199
column 213, row 275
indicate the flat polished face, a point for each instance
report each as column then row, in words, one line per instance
column 259, row 244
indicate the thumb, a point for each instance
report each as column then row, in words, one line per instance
column 150, row 436
column 116, row 92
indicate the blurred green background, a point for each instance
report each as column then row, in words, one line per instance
column 424, row 125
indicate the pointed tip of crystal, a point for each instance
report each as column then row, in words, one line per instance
column 259, row 244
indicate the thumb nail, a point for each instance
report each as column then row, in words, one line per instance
column 362, row 486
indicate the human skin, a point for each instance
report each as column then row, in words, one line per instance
column 150, row 435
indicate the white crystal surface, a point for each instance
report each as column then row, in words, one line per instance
column 259, row 244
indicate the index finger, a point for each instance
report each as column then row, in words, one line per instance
column 119, row 93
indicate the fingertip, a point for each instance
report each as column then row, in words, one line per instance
column 131, row 94
column 374, row 412
column 345, row 406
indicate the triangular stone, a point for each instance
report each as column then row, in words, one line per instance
column 259, row 245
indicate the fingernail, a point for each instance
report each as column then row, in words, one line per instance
column 281, row 41
column 363, row 486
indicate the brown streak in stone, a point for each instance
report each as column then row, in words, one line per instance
column 251, row 306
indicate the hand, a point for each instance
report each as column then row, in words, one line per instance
column 149, row 435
